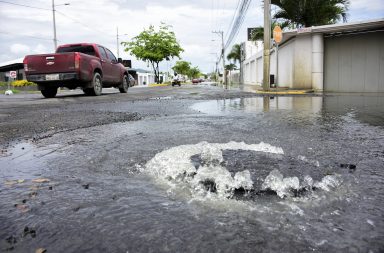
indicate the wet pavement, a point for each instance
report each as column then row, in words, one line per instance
column 192, row 169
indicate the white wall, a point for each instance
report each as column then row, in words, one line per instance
column 294, row 64
column 285, row 63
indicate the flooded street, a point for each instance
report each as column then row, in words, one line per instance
column 194, row 173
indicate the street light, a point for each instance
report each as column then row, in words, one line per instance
column 54, row 22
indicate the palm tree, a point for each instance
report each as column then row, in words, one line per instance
column 307, row 13
column 235, row 55
column 258, row 32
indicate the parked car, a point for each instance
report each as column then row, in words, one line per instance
column 85, row 65
column 195, row 80
column 132, row 81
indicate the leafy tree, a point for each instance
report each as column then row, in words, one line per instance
column 194, row 72
column 258, row 32
column 182, row 67
column 230, row 67
column 309, row 13
column 304, row 13
column 235, row 53
column 154, row 46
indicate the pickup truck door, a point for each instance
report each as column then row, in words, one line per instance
column 106, row 65
column 115, row 67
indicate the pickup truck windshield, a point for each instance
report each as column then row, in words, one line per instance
column 77, row 48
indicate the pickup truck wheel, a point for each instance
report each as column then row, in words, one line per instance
column 97, row 86
column 124, row 85
column 49, row 92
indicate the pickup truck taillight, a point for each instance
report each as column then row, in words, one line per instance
column 25, row 64
column 77, row 61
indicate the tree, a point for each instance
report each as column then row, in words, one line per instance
column 235, row 53
column 230, row 67
column 309, row 13
column 258, row 32
column 182, row 67
column 154, row 46
column 194, row 72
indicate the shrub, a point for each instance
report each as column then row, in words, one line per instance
column 22, row 83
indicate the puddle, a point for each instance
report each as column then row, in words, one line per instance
column 24, row 161
column 259, row 105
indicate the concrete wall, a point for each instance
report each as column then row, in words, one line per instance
column 354, row 63
column 294, row 64
column 285, row 64
column 302, row 59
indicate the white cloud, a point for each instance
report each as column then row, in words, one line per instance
column 20, row 48
column 30, row 30
column 40, row 49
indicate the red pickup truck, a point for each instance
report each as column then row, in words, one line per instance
column 85, row 65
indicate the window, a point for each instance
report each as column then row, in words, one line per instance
column 103, row 55
column 110, row 55
column 77, row 48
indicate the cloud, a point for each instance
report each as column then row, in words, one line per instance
column 39, row 49
column 20, row 48
column 29, row 30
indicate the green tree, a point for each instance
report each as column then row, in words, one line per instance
column 230, row 67
column 235, row 53
column 309, row 13
column 154, row 46
column 258, row 32
column 194, row 72
column 182, row 67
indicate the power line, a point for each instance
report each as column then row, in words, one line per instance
column 233, row 17
column 77, row 21
column 238, row 21
column 30, row 36
column 23, row 5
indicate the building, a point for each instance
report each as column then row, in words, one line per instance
column 14, row 65
column 144, row 77
column 346, row 57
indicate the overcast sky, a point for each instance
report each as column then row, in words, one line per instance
column 25, row 30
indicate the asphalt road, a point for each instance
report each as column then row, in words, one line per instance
column 29, row 116
column 191, row 169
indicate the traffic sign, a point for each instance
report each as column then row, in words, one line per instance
column 277, row 34
column 12, row 74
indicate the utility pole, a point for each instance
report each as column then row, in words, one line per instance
column 223, row 56
column 54, row 26
column 54, row 23
column 117, row 41
column 267, row 44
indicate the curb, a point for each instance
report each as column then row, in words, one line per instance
column 286, row 92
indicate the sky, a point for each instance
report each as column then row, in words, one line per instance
column 26, row 30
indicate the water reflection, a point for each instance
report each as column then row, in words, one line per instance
column 367, row 108
column 260, row 104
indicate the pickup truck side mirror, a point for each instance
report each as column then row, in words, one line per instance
column 119, row 60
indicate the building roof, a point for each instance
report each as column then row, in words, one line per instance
column 353, row 27
column 19, row 60
column 139, row 70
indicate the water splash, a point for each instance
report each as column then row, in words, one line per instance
column 175, row 166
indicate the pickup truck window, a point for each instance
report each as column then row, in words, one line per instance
column 110, row 55
column 77, row 48
column 103, row 55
